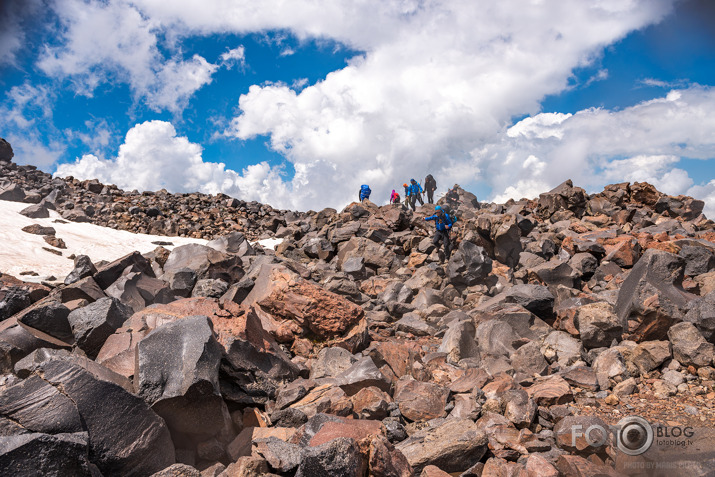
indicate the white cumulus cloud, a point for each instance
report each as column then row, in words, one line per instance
column 109, row 41
column 153, row 157
column 595, row 147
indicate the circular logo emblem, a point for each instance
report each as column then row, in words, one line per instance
column 635, row 436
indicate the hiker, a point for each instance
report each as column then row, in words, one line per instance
column 452, row 198
column 364, row 192
column 394, row 197
column 407, row 193
column 430, row 187
column 443, row 224
column 415, row 193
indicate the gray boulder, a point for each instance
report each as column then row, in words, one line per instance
column 652, row 296
column 126, row 437
column 331, row 362
column 453, row 445
column 48, row 316
column 459, row 341
column 176, row 372
column 43, row 454
column 93, row 324
column 469, row 265
column 689, row 346
column 83, row 268
column 598, row 325
column 6, row 153
column 701, row 313
column 340, row 456
column 535, row 298
column 36, row 211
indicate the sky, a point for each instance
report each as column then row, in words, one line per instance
column 297, row 103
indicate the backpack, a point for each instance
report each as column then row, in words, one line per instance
column 365, row 191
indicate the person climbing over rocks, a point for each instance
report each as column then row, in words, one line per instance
column 430, row 187
column 415, row 193
column 443, row 225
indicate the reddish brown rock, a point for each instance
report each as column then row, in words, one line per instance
column 371, row 403
column 576, row 466
column 624, row 251
column 433, row 471
column 419, row 401
column 468, row 379
column 581, row 434
column 241, row 445
column 353, row 428
column 550, row 391
column 386, row 461
column 537, row 466
column 397, row 357
column 327, row 398
column 281, row 295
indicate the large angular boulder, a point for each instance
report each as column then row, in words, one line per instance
column 139, row 290
column 93, row 324
column 701, row 313
column 48, row 318
column 34, row 405
column 12, row 193
column 469, row 265
column 83, row 268
column 234, row 243
column 109, row 273
column 651, row 298
column 340, row 456
column 420, row 401
column 254, row 365
column 206, row 262
column 44, row 454
column 376, row 255
column 125, row 436
column 598, row 325
column 176, row 372
column 459, row 341
column 535, row 298
column 290, row 306
column 563, row 197
column 6, row 153
column 507, row 242
column 16, row 342
column 689, row 346
column 453, row 445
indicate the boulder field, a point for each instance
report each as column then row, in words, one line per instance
column 351, row 349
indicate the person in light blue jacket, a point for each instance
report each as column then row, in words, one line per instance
column 443, row 224
column 415, row 193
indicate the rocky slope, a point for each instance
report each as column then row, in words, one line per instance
column 351, row 350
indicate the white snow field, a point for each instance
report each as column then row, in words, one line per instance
column 21, row 251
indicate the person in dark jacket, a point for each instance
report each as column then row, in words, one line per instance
column 443, row 224
column 415, row 193
column 430, row 187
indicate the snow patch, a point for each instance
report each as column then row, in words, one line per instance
column 270, row 243
column 21, row 251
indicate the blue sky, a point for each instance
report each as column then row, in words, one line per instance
column 298, row 104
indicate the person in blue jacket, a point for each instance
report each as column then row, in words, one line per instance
column 443, row 224
column 415, row 193
column 364, row 192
